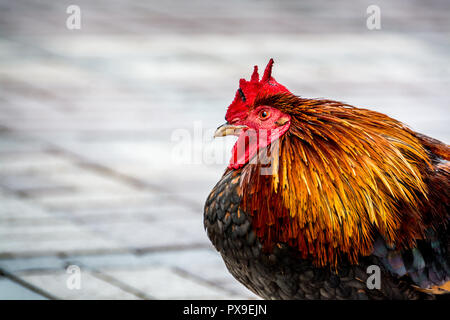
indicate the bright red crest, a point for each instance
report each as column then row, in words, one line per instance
column 248, row 90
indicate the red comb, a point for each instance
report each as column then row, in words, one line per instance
column 268, row 72
column 248, row 90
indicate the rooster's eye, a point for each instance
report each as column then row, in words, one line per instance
column 263, row 115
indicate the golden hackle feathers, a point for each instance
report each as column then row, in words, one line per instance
column 339, row 176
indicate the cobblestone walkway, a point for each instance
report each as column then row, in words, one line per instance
column 88, row 121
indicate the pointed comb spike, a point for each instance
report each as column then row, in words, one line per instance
column 268, row 71
column 255, row 75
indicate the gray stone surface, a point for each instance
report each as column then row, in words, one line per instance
column 91, row 286
column 10, row 290
column 89, row 169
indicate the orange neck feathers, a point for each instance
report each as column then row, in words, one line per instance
column 340, row 175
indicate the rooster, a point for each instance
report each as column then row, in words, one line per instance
column 323, row 200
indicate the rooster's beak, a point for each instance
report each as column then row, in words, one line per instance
column 228, row 129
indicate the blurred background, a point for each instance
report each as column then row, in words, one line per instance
column 106, row 156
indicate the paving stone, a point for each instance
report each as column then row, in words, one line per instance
column 10, row 143
column 15, row 208
column 116, row 260
column 94, row 199
column 148, row 234
column 205, row 264
column 56, row 236
column 56, row 245
column 90, row 180
column 55, row 282
column 34, row 263
column 164, row 211
column 10, row 290
column 57, row 226
column 163, row 283
column 171, row 258
column 19, row 163
column 30, row 184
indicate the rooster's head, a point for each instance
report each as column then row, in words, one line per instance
column 251, row 117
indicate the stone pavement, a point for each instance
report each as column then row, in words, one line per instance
column 89, row 122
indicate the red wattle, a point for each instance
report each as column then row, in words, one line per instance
column 251, row 141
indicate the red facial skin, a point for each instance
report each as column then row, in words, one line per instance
column 263, row 128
